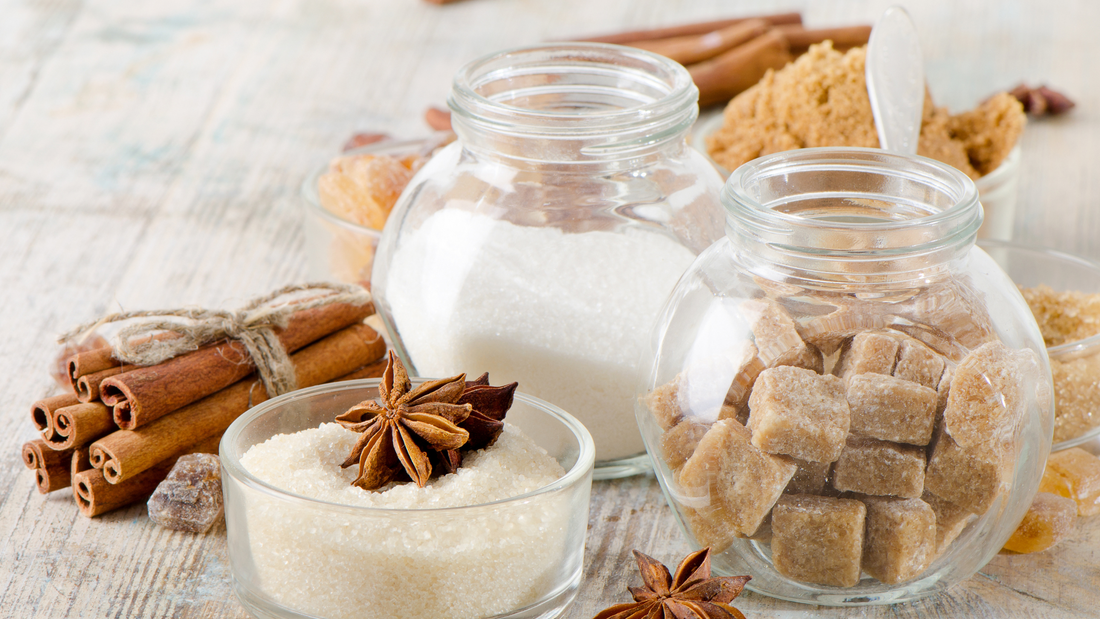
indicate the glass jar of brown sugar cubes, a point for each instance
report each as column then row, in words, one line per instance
column 847, row 399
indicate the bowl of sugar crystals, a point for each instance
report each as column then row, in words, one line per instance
column 541, row 244
column 845, row 397
column 406, row 497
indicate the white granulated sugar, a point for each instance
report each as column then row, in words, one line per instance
column 338, row 562
column 565, row 314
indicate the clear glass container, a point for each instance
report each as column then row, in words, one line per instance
column 298, row 557
column 846, row 398
column 542, row 243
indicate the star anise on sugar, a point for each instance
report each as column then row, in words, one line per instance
column 691, row 594
column 400, row 429
column 486, row 420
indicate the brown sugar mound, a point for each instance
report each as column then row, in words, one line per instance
column 1063, row 317
column 821, row 99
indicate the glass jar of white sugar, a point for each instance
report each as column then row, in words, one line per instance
column 541, row 245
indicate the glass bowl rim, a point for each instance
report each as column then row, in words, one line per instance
column 583, row 466
column 308, row 189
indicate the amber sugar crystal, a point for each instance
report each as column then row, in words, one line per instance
column 1075, row 474
column 364, row 188
column 891, row 409
column 732, row 483
column 799, row 413
column 1049, row 520
column 818, row 539
column 880, row 468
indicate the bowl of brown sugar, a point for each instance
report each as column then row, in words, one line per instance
column 1063, row 292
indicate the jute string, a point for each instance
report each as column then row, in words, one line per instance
column 253, row 326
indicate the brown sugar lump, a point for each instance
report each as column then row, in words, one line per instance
column 828, row 332
column 729, row 481
column 891, row 409
column 880, row 468
column 986, row 395
column 1049, row 520
column 818, row 539
column 664, row 403
column 776, row 337
column 679, row 442
column 1063, row 316
column 867, row 353
column 810, row 478
column 970, row 477
column 1075, row 474
column 918, row 363
column 799, row 413
column 1076, row 396
column 748, row 368
column 950, row 520
column 900, row 539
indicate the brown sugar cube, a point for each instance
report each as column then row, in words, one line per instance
column 970, row 477
column 664, row 403
column 818, row 539
column 731, row 484
column 1049, row 520
column 950, row 520
column 919, row 364
column 829, row 331
column 986, row 395
column 900, row 539
column 679, row 442
column 810, row 478
column 774, row 332
column 799, row 413
column 867, row 353
column 891, row 409
column 880, row 468
column 1075, row 474
column 744, row 377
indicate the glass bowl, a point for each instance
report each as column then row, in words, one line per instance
column 294, row 556
column 1075, row 366
column 336, row 248
column 996, row 190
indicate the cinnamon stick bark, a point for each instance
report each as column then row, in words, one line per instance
column 438, row 119
column 690, row 49
column 95, row 495
column 51, row 468
column 126, row 453
column 80, row 461
column 143, row 395
column 90, row 362
column 723, row 77
column 703, row 27
column 42, row 413
column 81, row 424
column 371, row 370
column 87, row 386
column 844, row 38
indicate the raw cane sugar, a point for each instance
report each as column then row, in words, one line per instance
column 799, row 413
column 900, row 539
column 891, row 409
column 880, row 468
column 818, row 539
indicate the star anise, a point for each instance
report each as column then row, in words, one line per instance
column 690, row 594
column 486, row 421
column 398, row 429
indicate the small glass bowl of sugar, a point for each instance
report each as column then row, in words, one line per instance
column 501, row 537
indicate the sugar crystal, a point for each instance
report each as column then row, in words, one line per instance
column 190, row 498
column 891, row 409
column 900, row 540
column 1049, row 520
column 880, row 468
column 799, row 413
column 867, row 352
column 818, row 539
column 1075, row 474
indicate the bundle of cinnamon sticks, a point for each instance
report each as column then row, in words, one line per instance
column 727, row 56
column 119, row 430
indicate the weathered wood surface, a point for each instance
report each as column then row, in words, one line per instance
column 150, row 155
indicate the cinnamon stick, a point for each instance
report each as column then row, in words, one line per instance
column 703, row 27
column 143, row 395
column 90, row 362
column 371, row 370
column 80, row 461
column 124, row 454
column 95, row 495
column 438, row 119
column 690, row 49
column 51, row 468
column 844, row 37
column 87, row 386
column 732, row 72
column 81, row 424
column 42, row 413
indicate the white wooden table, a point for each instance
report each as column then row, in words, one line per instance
column 150, row 156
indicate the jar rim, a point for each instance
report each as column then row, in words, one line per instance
column 485, row 91
column 958, row 222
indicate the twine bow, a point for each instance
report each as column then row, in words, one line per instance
column 253, row 326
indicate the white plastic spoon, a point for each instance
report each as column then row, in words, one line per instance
column 895, row 81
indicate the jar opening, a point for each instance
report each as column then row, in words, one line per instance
column 613, row 97
column 852, row 211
